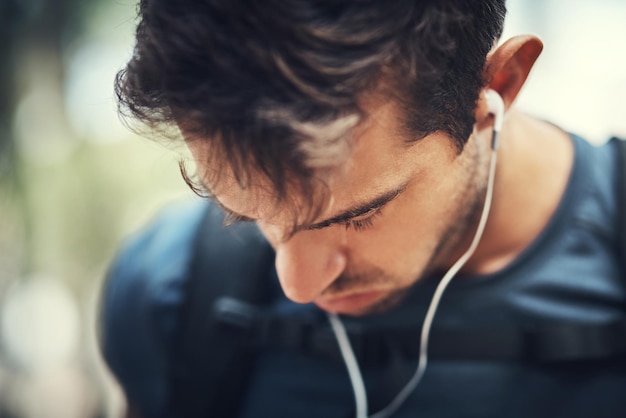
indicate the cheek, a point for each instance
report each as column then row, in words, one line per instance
column 405, row 236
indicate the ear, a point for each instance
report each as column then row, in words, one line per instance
column 508, row 66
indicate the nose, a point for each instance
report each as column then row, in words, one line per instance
column 308, row 263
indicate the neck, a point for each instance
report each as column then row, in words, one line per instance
column 534, row 163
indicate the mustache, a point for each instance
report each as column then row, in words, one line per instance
column 369, row 279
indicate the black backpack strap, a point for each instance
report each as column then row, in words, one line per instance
column 228, row 283
column 547, row 343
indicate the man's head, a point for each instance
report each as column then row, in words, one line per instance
column 314, row 118
column 278, row 85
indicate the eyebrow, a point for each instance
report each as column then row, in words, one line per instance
column 358, row 210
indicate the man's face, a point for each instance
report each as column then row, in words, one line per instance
column 397, row 211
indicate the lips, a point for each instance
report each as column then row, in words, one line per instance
column 350, row 304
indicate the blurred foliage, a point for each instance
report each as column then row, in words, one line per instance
column 63, row 195
column 66, row 197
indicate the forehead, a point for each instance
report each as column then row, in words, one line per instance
column 382, row 158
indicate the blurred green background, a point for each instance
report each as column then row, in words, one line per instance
column 74, row 181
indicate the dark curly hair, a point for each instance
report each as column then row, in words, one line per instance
column 272, row 82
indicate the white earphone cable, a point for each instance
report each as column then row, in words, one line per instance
column 360, row 393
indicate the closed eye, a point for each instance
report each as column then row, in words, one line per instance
column 359, row 224
column 365, row 221
column 360, row 217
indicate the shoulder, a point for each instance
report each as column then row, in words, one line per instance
column 141, row 299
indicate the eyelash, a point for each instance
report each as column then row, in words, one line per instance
column 365, row 223
column 356, row 224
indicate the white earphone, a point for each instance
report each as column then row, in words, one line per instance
column 495, row 105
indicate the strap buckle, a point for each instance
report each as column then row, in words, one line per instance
column 236, row 319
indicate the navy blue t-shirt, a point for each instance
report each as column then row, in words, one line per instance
column 570, row 273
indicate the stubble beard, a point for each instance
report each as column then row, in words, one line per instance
column 460, row 232
column 453, row 242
